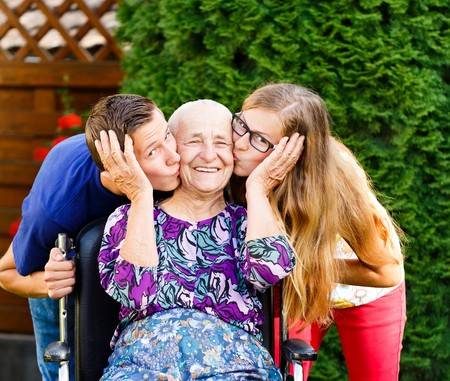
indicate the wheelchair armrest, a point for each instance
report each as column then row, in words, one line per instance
column 296, row 350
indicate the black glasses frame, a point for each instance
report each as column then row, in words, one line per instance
column 251, row 133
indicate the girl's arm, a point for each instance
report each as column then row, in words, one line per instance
column 359, row 274
column 356, row 272
column 369, row 231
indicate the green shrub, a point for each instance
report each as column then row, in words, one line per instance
column 381, row 66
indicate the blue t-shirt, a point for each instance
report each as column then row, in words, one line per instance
column 65, row 196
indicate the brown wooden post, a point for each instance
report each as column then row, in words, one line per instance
column 30, row 106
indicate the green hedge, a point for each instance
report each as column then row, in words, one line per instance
column 380, row 66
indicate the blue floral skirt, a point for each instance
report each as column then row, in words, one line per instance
column 182, row 344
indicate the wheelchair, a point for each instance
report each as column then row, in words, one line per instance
column 96, row 317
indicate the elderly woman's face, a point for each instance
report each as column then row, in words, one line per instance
column 205, row 147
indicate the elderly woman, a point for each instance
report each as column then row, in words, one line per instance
column 186, row 271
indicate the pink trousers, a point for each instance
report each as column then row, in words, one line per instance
column 371, row 337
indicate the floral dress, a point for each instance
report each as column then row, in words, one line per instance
column 201, row 295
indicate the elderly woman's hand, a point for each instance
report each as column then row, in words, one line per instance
column 122, row 167
column 273, row 169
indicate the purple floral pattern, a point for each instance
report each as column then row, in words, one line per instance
column 205, row 265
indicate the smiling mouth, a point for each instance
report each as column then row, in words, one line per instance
column 206, row 169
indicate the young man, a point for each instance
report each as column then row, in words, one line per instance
column 70, row 190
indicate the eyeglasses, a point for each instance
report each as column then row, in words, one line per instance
column 257, row 141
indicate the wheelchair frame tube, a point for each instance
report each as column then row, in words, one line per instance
column 63, row 245
column 63, row 319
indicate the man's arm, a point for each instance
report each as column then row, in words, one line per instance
column 32, row 285
column 56, row 281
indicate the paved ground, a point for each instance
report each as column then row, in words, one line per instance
column 18, row 358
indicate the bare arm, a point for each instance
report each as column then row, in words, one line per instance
column 387, row 274
column 32, row 285
column 360, row 274
column 262, row 222
column 139, row 247
column 375, row 246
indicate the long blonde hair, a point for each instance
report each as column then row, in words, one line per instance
column 323, row 196
column 360, row 213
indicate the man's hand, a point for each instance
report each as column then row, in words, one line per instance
column 59, row 275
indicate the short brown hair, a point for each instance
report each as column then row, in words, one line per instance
column 122, row 113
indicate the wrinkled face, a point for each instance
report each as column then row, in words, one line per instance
column 265, row 123
column 205, row 147
column 155, row 150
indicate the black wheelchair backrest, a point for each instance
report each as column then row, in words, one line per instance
column 96, row 313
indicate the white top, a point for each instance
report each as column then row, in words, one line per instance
column 345, row 295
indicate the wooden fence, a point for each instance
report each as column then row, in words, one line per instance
column 63, row 45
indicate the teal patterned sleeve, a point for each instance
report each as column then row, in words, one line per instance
column 264, row 261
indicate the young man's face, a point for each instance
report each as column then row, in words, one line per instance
column 155, row 150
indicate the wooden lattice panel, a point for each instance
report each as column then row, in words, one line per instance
column 56, row 30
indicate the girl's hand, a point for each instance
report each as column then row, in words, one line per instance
column 122, row 167
column 273, row 169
